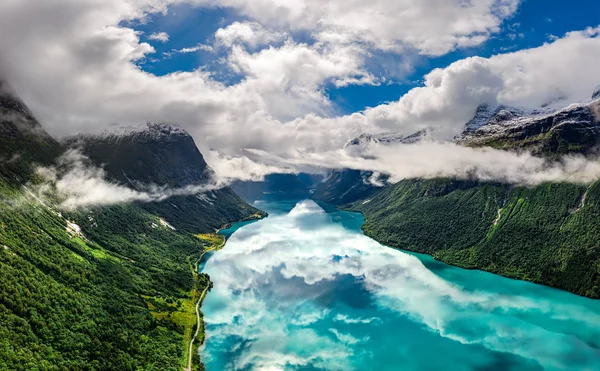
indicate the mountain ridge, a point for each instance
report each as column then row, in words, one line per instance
column 545, row 132
column 106, row 287
column 545, row 233
column 166, row 156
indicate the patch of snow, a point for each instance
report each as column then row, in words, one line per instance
column 506, row 118
column 73, row 229
column 164, row 223
column 482, row 115
column 155, row 130
column 366, row 201
column 365, row 140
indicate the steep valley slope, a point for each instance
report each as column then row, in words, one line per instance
column 103, row 287
column 547, row 234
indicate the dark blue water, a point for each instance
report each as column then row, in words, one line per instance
column 305, row 290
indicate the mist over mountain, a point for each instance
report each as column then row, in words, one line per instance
column 144, row 142
column 161, row 158
column 572, row 129
column 150, row 154
column 23, row 141
column 96, row 242
column 546, row 134
column 497, row 226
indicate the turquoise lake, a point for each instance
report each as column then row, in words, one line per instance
column 304, row 289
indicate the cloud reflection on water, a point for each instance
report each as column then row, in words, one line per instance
column 298, row 291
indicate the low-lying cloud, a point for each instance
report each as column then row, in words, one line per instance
column 280, row 101
column 79, row 184
column 279, row 105
column 433, row 159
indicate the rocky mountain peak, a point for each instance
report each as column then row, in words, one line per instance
column 596, row 93
column 9, row 101
column 161, row 154
column 482, row 114
column 364, row 140
column 147, row 132
column 16, row 119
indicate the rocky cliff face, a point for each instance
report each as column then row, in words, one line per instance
column 573, row 129
column 153, row 154
column 23, row 141
column 166, row 156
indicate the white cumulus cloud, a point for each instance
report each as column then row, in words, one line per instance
column 159, row 36
column 76, row 64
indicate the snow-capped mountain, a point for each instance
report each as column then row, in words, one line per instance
column 149, row 131
column 548, row 132
column 344, row 186
column 360, row 145
column 386, row 138
column 486, row 114
column 150, row 154
column 572, row 129
column 494, row 121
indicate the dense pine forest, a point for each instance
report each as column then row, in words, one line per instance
column 80, row 301
column 546, row 234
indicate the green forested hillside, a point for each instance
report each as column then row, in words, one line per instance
column 82, row 301
column 103, row 288
column 547, row 234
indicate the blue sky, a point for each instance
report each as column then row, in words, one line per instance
column 536, row 22
column 277, row 84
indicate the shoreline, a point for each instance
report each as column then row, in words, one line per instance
column 437, row 259
column 200, row 318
